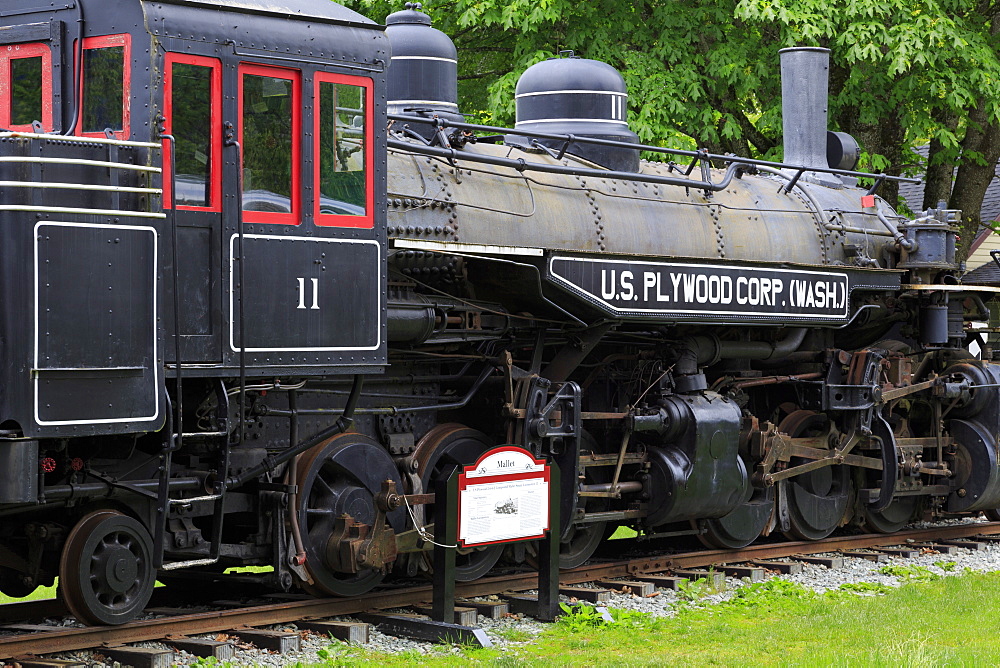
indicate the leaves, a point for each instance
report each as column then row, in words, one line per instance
column 705, row 73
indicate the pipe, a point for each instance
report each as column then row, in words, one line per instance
column 293, row 482
column 522, row 165
column 270, row 463
column 76, row 75
column 700, row 155
column 626, row 487
column 700, row 351
column 904, row 243
column 95, row 489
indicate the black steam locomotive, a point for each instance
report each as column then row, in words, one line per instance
column 241, row 320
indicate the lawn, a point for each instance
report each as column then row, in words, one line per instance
column 940, row 621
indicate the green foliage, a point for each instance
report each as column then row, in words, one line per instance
column 705, row 74
column 770, row 594
column 912, row 573
column 580, row 617
column 946, row 566
column 876, row 588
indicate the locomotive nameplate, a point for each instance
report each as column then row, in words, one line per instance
column 503, row 497
column 692, row 292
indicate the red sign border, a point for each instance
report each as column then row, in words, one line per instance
column 464, row 482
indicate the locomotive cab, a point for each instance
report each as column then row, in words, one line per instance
column 191, row 199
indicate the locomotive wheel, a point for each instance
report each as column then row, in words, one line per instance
column 581, row 543
column 341, row 476
column 740, row 527
column 815, row 501
column 106, row 573
column 898, row 514
column 438, row 454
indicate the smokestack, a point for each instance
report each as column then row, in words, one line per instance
column 804, row 91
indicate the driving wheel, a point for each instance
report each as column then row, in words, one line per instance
column 442, row 450
column 338, row 477
column 815, row 501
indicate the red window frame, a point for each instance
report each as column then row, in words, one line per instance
column 295, row 76
column 13, row 52
column 215, row 159
column 103, row 42
column 338, row 220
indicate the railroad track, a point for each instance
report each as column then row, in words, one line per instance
column 34, row 640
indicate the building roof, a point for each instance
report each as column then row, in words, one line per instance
column 913, row 193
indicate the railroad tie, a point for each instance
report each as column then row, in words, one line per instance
column 278, row 641
column 488, row 609
column 201, row 647
column 139, row 657
column 352, row 632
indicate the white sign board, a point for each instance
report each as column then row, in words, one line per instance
column 503, row 497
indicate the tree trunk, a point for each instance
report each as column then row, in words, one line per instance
column 940, row 175
column 974, row 175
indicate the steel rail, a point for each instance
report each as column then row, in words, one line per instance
column 62, row 639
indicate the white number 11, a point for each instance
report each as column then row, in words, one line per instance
column 315, row 293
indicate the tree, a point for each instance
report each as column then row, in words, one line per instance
column 704, row 73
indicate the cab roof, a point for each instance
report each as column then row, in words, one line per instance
column 316, row 10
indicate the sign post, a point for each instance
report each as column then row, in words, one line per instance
column 507, row 496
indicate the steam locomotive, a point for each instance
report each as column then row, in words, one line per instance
column 242, row 321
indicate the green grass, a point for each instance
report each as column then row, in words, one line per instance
column 926, row 622
column 623, row 532
column 40, row 593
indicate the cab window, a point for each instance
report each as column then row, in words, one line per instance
column 105, row 86
column 271, row 122
column 192, row 103
column 344, row 151
column 25, row 86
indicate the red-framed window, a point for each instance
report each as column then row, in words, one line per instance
column 25, row 86
column 270, row 101
column 192, row 103
column 343, row 163
column 105, row 86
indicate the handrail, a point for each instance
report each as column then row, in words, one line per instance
column 697, row 155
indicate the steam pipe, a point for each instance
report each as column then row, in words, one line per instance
column 699, row 351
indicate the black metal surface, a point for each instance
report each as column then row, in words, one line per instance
column 446, row 536
column 579, row 97
column 698, row 474
column 423, row 73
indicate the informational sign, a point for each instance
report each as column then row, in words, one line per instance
column 705, row 292
column 504, row 497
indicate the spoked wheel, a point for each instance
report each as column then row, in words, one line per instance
column 106, row 573
column 742, row 526
column 438, row 454
column 581, row 543
column 341, row 476
column 898, row 514
column 815, row 501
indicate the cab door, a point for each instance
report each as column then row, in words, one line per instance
column 193, row 111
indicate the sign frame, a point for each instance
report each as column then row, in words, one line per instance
column 486, row 473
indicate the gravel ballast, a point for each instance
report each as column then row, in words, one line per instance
column 514, row 631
